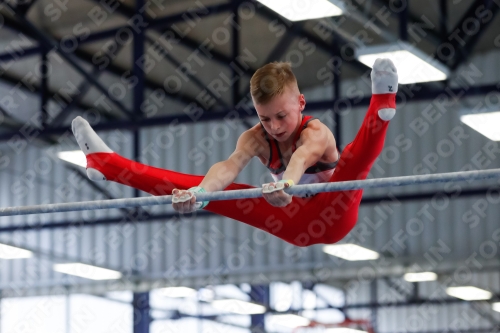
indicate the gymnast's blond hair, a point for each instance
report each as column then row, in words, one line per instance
column 271, row 80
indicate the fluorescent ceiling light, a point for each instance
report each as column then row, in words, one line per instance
column 12, row 252
column 299, row 10
column 178, row 292
column 420, row 277
column 237, row 306
column 496, row 306
column 468, row 293
column 87, row 271
column 289, row 320
column 351, row 252
column 412, row 64
column 485, row 123
column 343, row 330
column 74, row 156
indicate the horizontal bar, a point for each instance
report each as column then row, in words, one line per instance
column 77, row 223
column 256, row 192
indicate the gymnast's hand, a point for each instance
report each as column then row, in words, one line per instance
column 184, row 201
column 274, row 194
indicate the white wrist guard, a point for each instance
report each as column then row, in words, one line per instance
column 186, row 196
column 198, row 189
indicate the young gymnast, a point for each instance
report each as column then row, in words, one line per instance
column 296, row 149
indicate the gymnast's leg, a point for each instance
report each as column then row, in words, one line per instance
column 104, row 164
column 359, row 156
column 301, row 223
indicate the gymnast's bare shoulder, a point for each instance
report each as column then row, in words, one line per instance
column 251, row 143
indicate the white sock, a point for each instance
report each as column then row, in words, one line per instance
column 89, row 143
column 384, row 81
column 87, row 138
column 384, row 77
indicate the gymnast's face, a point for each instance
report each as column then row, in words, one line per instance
column 281, row 116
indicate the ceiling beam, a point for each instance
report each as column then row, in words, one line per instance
column 301, row 32
column 14, row 55
column 464, row 36
column 54, row 95
column 186, row 41
column 27, row 28
column 420, row 92
column 88, row 58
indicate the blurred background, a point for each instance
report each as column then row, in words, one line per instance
column 166, row 82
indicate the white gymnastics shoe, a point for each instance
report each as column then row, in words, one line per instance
column 89, row 143
column 384, row 77
column 384, row 81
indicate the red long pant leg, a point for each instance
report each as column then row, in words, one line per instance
column 255, row 212
column 355, row 163
column 326, row 218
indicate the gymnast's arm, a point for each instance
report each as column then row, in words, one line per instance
column 223, row 173
column 316, row 139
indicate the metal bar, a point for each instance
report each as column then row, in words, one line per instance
column 257, row 192
column 203, row 213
